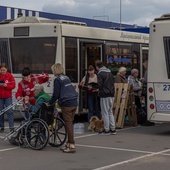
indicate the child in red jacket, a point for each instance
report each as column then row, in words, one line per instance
column 7, row 84
column 26, row 85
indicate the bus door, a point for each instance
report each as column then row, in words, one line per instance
column 89, row 53
column 144, row 54
column 92, row 53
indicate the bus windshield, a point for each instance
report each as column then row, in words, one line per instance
column 36, row 53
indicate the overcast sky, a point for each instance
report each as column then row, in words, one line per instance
column 140, row 12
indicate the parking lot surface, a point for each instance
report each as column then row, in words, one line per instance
column 132, row 148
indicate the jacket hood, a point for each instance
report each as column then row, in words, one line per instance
column 104, row 69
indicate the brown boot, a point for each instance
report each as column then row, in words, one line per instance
column 70, row 149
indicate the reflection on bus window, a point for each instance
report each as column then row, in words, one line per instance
column 122, row 54
column 71, row 59
column 4, row 53
column 36, row 53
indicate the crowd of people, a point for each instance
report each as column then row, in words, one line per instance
column 98, row 91
column 105, row 83
column 31, row 90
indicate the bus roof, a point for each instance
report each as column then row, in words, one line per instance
column 31, row 19
column 163, row 17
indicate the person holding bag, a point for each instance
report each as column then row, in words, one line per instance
column 90, row 85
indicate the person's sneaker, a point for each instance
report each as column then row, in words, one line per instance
column 104, row 133
column 112, row 132
column 1, row 130
column 70, row 149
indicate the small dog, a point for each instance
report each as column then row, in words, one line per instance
column 96, row 124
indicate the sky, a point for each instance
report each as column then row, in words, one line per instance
column 140, row 12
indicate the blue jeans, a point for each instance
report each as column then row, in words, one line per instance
column 27, row 114
column 5, row 102
column 93, row 106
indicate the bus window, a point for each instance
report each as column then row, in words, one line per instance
column 35, row 53
column 4, row 52
column 167, row 54
column 144, row 58
column 71, row 59
column 122, row 54
column 111, row 55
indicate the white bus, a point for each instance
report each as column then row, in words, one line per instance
column 39, row 43
column 159, row 70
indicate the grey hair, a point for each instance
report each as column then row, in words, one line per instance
column 39, row 87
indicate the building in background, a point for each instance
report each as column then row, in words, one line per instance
column 11, row 13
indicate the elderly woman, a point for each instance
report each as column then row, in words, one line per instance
column 41, row 97
column 132, row 79
column 120, row 77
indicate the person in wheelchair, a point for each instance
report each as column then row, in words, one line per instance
column 41, row 98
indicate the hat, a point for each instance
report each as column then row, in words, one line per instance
column 133, row 71
column 122, row 69
column 39, row 87
column 90, row 68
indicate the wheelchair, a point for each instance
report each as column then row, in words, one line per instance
column 56, row 126
column 39, row 130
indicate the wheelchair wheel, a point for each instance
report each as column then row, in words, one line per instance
column 58, row 133
column 37, row 134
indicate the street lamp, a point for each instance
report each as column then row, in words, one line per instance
column 120, row 14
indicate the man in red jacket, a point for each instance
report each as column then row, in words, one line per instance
column 7, row 84
column 26, row 85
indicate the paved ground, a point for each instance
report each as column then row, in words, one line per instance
column 132, row 148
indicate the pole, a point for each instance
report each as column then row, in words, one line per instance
column 120, row 14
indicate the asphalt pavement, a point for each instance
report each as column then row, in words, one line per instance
column 133, row 148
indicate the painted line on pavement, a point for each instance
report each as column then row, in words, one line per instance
column 111, row 148
column 94, row 134
column 8, row 149
column 132, row 160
